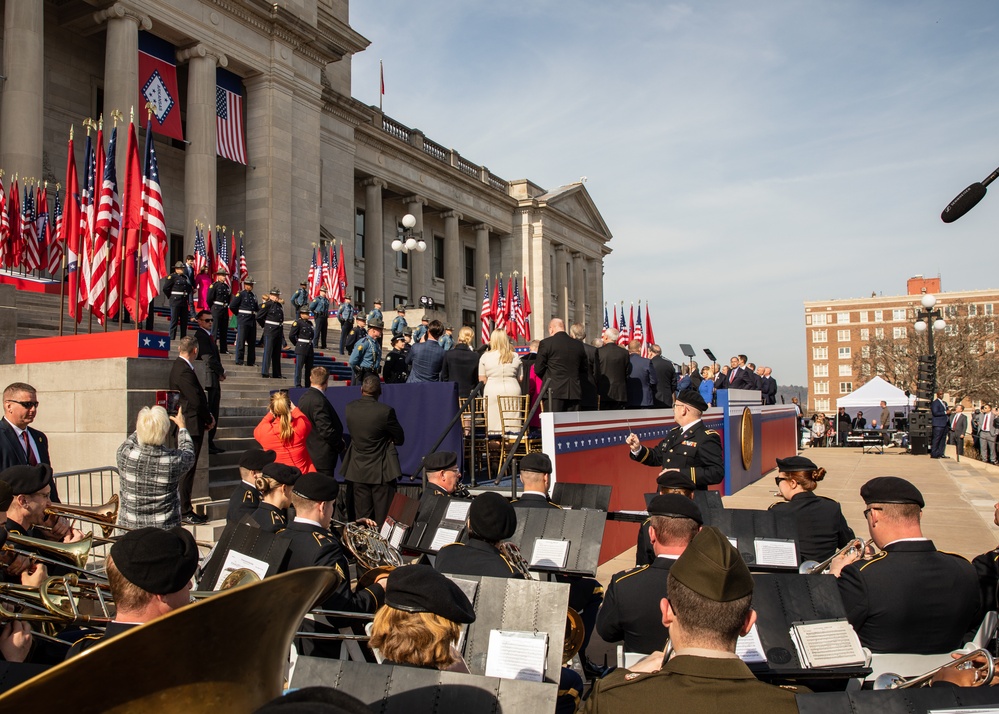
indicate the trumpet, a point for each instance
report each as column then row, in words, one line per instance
column 984, row 672
column 856, row 546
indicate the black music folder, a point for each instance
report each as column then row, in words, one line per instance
column 577, row 496
column 767, row 540
column 583, row 531
column 439, row 521
column 899, row 701
column 246, row 539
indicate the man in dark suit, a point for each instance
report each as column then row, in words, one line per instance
column 642, row 380
column 588, row 401
column 197, row 414
column 372, row 462
column 561, row 360
column 212, row 373
column 769, row 388
column 325, row 441
column 665, row 379
column 426, row 358
column 20, row 444
column 612, row 369
column 958, row 427
column 938, row 411
column 738, row 376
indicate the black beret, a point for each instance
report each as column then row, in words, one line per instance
column 256, row 459
column 676, row 479
column 156, row 560
column 675, row 506
column 891, row 489
column 316, row 487
column 282, row 473
column 6, row 495
column 314, row 700
column 27, row 479
column 536, row 462
column 795, row 463
column 491, row 517
column 420, row 588
column 712, row 567
column 440, row 460
column 693, row 398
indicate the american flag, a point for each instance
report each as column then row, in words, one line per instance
column 230, row 142
column 487, row 312
column 243, row 272
column 319, row 279
column 511, row 312
column 4, row 225
column 30, row 257
column 313, row 269
column 625, row 337
column 526, row 309
column 41, row 209
column 56, row 240
column 639, row 333
column 200, row 252
column 222, row 254
column 330, row 272
column 499, row 315
column 106, row 231
column 86, row 238
column 603, row 333
column 153, row 229
column 518, row 310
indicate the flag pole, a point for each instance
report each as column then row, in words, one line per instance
column 108, row 263
column 89, row 124
column 381, row 84
column 62, row 274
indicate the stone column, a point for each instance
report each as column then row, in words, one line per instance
column 374, row 245
column 24, row 64
column 578, row 288
column 121, row 65
column 595, row 292
column 481, row 254
column 452, row 267
column 562, row 282
column 200, row 185
column 418, row 260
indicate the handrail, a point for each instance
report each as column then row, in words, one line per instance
column 469, row 400
column 520, row 436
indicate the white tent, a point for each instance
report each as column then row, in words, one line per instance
column 868, row 400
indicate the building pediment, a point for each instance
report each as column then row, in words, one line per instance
column 574, row 201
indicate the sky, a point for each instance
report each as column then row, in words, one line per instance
column 747, row 157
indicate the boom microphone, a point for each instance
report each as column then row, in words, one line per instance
column 967, row 199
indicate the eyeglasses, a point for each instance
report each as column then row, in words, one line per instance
column 868, row 511
column 206, row 319
column 778, row 479
column 26, row 405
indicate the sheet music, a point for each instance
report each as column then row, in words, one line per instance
column 397, row 534
column 749, row 648
column 734, row 542
column 517, row 655
column 235, row 561
column 827, row 643
column 387, row 527
column 550, row 553
column 471, row 589
column 443, row 537
column 457, row 510
column 776, row 552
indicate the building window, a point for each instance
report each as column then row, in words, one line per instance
column 467, row 318
column 865, row 369
column 879, row 316
column 822, row 387
column 844, row 353
column 822, row 405
column 863, row 315
column 990, row 346
column 359, row 233
column 990, row 327
column 987, row 309
column 843, row 318
column 358, row 297
column 845, row 370
column 951, row 330
column 879, row 333
column 469, row 266
column 438, row 257
column 845, row 387
column 819, row 318
column 399, row 301
column 950, row 311
column 842, row 335
column 881, row 370
column 808, row 319
column 898, row 333
column 818, row 335
column 898, row 314
column 865, row 352
column 972, row 310
column 865, row 334
column 820, row 353
column 820, row 370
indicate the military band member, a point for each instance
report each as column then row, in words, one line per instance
column 707, row 608
column 345, row 314
column 218, row 301
column 822, row 529
column 690, row 447
column 274, row 484
column 244, row 305
column 396, row 371
column 301, row 335
column 270, row 317
column 668, row 482
column 31, row 487
column 910, row 598
column 245, row 498
column 491, row 520
column 178, row 289
column 320, row 309
column 367, row 355
column 630, row 611
column 987, row 567
column 443, row 475
column 149, row 572
column 535, row 473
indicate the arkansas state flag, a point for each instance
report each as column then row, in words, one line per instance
column 158, row 84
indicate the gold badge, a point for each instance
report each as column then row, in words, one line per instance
column 632, row 675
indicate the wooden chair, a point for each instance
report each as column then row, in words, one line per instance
column 479, row 436
column 513, row 414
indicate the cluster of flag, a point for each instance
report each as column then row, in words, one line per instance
column 328, row 271
column 505, row 310
column 27, row 236
column 630, row 329
column 216, row 255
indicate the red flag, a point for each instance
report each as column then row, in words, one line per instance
column 233, row 262
column 131, row 210
column 71, row 232
column 342, row 279
column 158, row 84
column 649, row 335
column 211, row 252
column 14, row 216
column 4, row 226
column 381, row 74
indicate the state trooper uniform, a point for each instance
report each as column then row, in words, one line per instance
column 367, row 355
column 178, row 290
column 320, row 308
column 244, row 304
column 447, row 339
column 399, row 324
column 300, row 298
column 376, row 314
column 218, row 301
column 345, row 314
column 695, row 451
column 301, row 335
column 270, row 316
column 420, row 332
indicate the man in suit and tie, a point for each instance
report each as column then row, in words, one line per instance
column 987, row 434
column 197, row 414
column 562, row 361
column 769, row 388
column 642, row 381
column 612, row 368
column 588, row 385
column 426, row 358
column 738, row 376
column 958, row 427
column 212, row 373
column 665, row 379
column 371, row 463
column 938, row 412
column 20, row 444
column 325, row 441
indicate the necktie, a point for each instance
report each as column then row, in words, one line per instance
column 987, row 423
column 953, row 424
column 32, row 461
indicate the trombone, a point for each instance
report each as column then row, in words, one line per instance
column 855, row 546
column 985, row 671
column 73, row 556
column 56, row 601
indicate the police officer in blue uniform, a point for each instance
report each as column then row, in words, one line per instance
column 300, row 298
column 301, row 335
column 218, row 301
column 345, row 314
column 399, row 324
column 178, row 290
column 244, row 304
column 420, row 332
column 367, row 355
column 320, row 309
column 270, row 316
column 447, row 339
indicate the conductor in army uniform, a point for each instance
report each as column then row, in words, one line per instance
column 690, row 447
column 178, row 289
column 707, row 607
column 218, row 302
column 301, row 335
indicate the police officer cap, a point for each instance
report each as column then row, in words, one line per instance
column 675, row 479
column 6, row 497
column 303, row 284
column 398, row 339
column 282, row 473
column 713, row 568
column 440, row 460
column 316, row 487
column 675, row 505
column 420, row 588
column 322, row 289
column 315, row 700
column 536, row 462
column 376, row 322
column 27, row 479
column 401, row 310
column 249, row 280
column 378, row 301
column 891, row 489
column 158, row 561
column 491, row 517
column 795, row 463
column 693, row 398
column 424, row 319
column 304, row 310
column 178, row 264
column 256, row 459
column 221, row 271
column 275, row 291
column 408, row 332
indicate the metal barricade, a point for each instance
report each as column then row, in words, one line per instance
column 89, row 487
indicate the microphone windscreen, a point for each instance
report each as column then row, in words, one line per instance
column 965, row 201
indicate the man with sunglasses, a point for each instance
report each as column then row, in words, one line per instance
column 20, row 444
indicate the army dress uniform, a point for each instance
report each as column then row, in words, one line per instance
column 218, row 301
column 320, row 309
column 696, row 452
column 631, row 612
column 476, row 557
column 301, row 336
column 244, row 305
column 822, row 529
column 178, row 290
column 270, row 317
column 243, row 501
column 269, row 518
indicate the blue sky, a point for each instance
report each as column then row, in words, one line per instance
column 756, row 154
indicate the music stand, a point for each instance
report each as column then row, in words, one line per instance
column 246, row 539
column 434, row 515
column 584, row 530
column 754, row 531
column 909, row 701
column 577, row 496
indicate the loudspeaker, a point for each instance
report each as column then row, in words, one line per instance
column 920, row 445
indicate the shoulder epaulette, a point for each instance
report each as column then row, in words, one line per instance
column 628, row 573
column 876, row 558
column 956, row 555
column 711, row 431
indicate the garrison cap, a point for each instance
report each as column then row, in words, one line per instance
column 179, row 264
column 256, row 459
column 275, row 291
column 27, row 479
column 376, row 323
column 315, row 700
column 693, row 398
column 713, row 568
column 420, row 588
column 6, row 496
column 440, row 460
column 795, row 463
column 676, row 479
column 537, row 462
column 282, row 473
column 491, row 517
column 158, row 561
column 891, row 489
column 674, row 505
column 316, row 487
